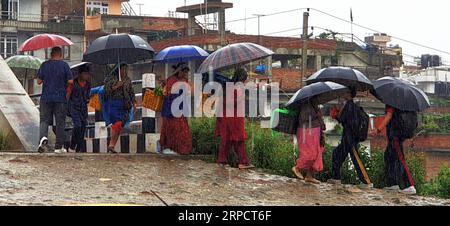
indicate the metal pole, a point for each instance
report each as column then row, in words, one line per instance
column 259, row 26
column 140, row 5
column 304, row 47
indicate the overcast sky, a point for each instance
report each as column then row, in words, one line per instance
column 423, row 22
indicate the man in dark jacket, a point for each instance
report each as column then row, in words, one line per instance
column 349, row 145
column 78, row 96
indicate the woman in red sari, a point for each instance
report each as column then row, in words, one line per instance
column 176, row 136
column 231, row 128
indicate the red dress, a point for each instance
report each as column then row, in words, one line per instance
column 175, row 132
column 231, row 130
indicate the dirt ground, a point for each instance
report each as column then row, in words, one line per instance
column 72, row 179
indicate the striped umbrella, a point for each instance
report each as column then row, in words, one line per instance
column 232, row 55
column 24, row 65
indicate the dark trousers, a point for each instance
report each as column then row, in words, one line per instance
column 79, row 119
column 348, row 146
column 395, row 167
column 47, row 112
column 239, row 148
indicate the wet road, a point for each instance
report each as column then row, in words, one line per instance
column 152, row 180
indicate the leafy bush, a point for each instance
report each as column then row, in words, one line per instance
column 4, row 142
column 204, row 142
column 440, row 186
column 276, row 153
column 436, row 123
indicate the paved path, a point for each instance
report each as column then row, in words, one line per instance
column 32, row 179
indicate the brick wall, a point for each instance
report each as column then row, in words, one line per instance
column 422, row 143
column 435, row 147
column 267, row 41
column 434, row 161
column 52, row 8
column 438, row 110
column 289, row 79
column 164, row 24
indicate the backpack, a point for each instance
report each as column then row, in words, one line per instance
column 287, row 121
column 405, row 124
column 362, row 129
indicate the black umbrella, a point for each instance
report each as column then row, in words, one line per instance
column 400, row 94
column 343, row 75
column 115, row 48
column 322, row 92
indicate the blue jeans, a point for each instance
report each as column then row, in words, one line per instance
column 48, row 110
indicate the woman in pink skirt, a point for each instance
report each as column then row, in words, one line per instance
column 310, row 142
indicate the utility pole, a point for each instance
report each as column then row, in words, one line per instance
column 140, row 5
column 305, row 38
column 259, row 26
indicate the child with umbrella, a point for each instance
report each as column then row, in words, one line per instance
column 350, row 116
column 78, row 94
column 310, row 137
column 403, row 101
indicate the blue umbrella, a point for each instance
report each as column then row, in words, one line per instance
column 182, row 53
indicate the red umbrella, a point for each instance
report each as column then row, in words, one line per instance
column 44, row 41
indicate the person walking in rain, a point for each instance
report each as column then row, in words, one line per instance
column 176, row 137
column 396, row 169
column 78, row 95
column 121, row 98
column 310, row 142
column 55, row 76
column 350, row 116
column 230, row 127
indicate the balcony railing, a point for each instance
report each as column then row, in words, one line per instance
column 43, row 23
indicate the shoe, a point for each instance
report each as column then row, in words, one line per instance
column 223, row 165
column 334, row 181
column 409, row 191
column 60, row 151
column 71, row 150
column 366, row 186
column 392, row 188
column 297, row 173
column 43, row 145
column 244, row 167
column 169, row 152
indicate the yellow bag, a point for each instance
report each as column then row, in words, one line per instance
column 94, row 102
column 152, row 101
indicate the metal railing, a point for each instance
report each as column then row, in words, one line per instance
column 44, row 23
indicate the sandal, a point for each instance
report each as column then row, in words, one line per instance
column 244, row 167
column 297, row 173
column 312, row 181
column 111, row 151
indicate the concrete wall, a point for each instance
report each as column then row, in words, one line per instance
column 6, row 130
column 30, row 10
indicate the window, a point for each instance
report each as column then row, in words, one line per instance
column 8, row 45
column 13, row 9
column 97, row 7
